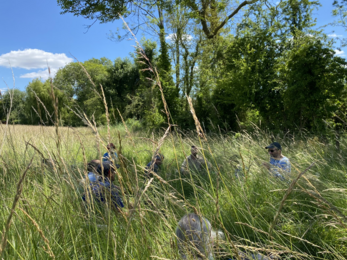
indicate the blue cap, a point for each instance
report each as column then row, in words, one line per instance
column 159, row 157
column 274, row 145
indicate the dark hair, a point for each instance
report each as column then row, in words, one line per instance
column 110, row 145
column 159, row 156
column 107, row 168
column 93, row 165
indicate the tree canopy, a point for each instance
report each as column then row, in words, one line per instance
column 267, row 67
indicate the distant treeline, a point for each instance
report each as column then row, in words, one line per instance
column 271, row 70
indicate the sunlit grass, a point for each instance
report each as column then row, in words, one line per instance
column 312, row 223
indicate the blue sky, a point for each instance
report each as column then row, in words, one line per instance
column 34, row 33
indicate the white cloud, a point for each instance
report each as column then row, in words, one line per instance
column 31, row 59
column 334, row 35
column 40, row 74
column 339, row 53
column 172, row 36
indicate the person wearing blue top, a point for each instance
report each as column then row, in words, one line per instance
column 279, row 165
column 111, row 154
column 92, row 170
column 154, row 165
column 102, row 190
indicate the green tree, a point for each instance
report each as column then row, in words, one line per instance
column 211, row 14
column 251, row 65
column 171, row 92
column 145, row 103
column 123, row 80
column 40, row 103
column 340, row 11
column 86, row 96
column 313, row 82
column 18, row 113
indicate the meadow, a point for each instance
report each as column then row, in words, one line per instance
column 44, row 217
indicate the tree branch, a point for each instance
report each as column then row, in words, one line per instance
column 204, row 23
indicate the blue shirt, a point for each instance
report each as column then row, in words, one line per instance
column 107, row 157
column 283, row 165
column 100, row 189
column 92, row 177
column 152, row 166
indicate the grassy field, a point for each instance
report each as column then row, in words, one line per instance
column 49, row 219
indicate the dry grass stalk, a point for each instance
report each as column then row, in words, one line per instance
column 56, row 115
column 7, row 116
column 151, row 68
column 137, row 202
column 330, row 207
column 36, row 149
column 126, row 128
column 199, row 129
column 88, row 76
column 43, row 105
column 156, row 74
column 43, row 123
column 301, row 239
column 291, row 187
column 107, row 114
column 49, row 250
column 160, row 143
column 14, row 204
column 254, row 228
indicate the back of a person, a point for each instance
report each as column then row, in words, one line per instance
column 195, row 163
column 193, row 237
column 102, row 190
column 154, row 165
column 105, row 192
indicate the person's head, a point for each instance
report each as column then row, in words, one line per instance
column 158, row 159
column 111, row 147
column 106, row 169
column 93, row 165
column 194, row 150
column 274, row 149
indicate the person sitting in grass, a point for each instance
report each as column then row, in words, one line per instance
column 154, row 165
column 111, row 154
column 195, row 162
column 102, row 190
column 279, row 164
column 92, row 170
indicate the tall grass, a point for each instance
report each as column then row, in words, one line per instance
column 51, row 220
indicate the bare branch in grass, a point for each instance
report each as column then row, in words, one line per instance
column 199, row 129
column 126, row 128
column 56, row 115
